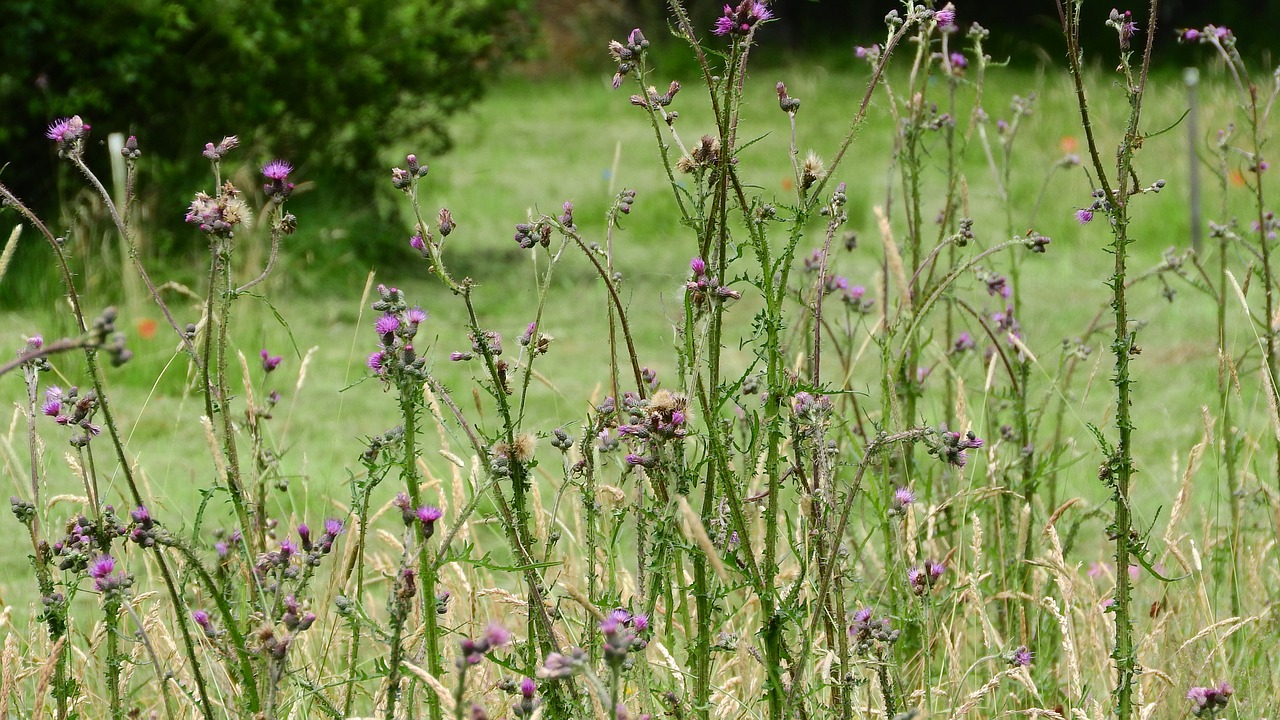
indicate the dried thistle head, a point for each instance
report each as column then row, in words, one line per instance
column 811, row 170
column 665, row 402
column 525, row 448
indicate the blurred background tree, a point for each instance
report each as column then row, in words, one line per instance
column 325, row 84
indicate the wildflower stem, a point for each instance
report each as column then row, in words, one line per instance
column 1118, row 467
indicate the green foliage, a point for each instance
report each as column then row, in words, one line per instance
column 328, row 84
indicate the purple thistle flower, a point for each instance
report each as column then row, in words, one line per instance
column 527, row 688
column 387, row 324
column 698, row 266
column 67, row 129
column 221, row 548
column 415, row 315
column 609, row 626
column 428, row 514
column 867, row 53
column 333, row 527
column 958, row 60
column 141, row 516
column 417, row 243
column 277, row 170
column 457, row 356
column 52, row 408
column 946, row 17
column 287, row 549
column 201, row 618
column 903, row 497
column 375, row 362
column 270, row 362
column 640, row 623
column 1084, row 216
column 496, row 635
column 1021, row 657
column 1189, row 35
column 101, row 567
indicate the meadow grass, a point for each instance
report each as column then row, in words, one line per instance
column 534, row 143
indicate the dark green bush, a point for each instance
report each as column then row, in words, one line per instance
column 325, row 84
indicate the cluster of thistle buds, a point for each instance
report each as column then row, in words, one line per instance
column 396, row 360
column 922, row 579
column 85, row 540
column 1036, row 242
column 1213, row 34
column 282, row 560
column 661, row 417
column 69, row 409
column 627, row 56
column 402, row 179
column 622, row 635
column 275, row 643
column 703, row 288
column 656, row 100
column 741, row 20
column 810, row 409
column 869, row 632
column 1124, row 25
column 524, row 707
column 313, row 548
column 531, row 234
column 143, row 530
column 218, row 216
column 952, row 447
column 1100, row 204
column 835, row 209
column 474, row 650
column 964, row 233
column 378, row 443
column 1208, row 702
column 705, row 156
column 103, row 335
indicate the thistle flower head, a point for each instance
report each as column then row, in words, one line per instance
column 1021, row 656
column 740, row 20
column 277, row 170
column 496, row 635
column 66, row 130
column 270, row 362
column 386, row 324
column 102, row 566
